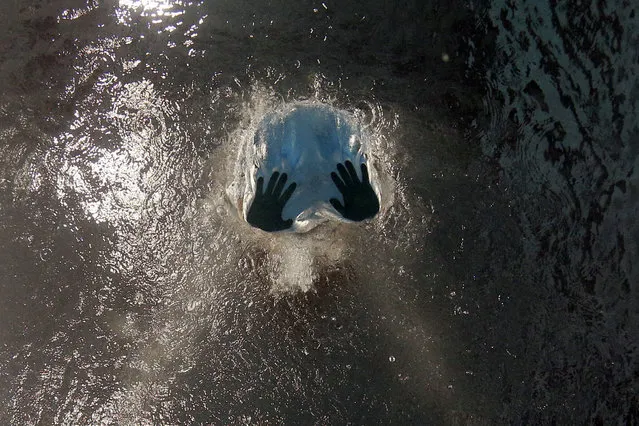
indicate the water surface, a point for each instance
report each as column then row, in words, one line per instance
column 497, row 285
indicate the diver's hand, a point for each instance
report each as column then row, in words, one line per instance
column 266, row 210
column 360, row 200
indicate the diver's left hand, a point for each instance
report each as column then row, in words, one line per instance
column 360, row 200
column 266, row 210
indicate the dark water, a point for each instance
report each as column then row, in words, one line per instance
column 498, row 284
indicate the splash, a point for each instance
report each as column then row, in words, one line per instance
column 294, row 259
column 304, row 140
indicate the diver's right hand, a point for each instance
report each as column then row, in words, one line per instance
column 360, row 200
column 266, row 209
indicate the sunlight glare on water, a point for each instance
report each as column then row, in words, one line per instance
column 121, row 170
column 150, row 7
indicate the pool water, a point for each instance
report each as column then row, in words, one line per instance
column 497, row 284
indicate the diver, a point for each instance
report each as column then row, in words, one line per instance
column 359, row 199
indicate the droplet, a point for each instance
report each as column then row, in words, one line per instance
column 193, row 304
column 45, row 254
column 391, row 358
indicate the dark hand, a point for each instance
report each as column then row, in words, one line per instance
column 360, row 200
column 266, row 210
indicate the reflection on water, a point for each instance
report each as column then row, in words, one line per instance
column 153, row 7
column 496, row 285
